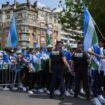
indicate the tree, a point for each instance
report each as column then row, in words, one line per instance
column 71, row 17
column 97, row 10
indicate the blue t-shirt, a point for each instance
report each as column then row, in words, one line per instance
column 38, row 55
column 67, row 55
column 6, row 57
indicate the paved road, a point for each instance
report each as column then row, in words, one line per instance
column 18, row 98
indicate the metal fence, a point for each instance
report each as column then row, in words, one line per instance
column 9, row 75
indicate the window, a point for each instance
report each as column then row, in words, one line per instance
column 25, row 15
column 30, row 15
column 43, row 39
column 24, row 44
column 42, row 16
column 24, row 36
column 24, row 21
column 34, row 29
column 50, row 17
column 55, row 19
column 50, row 26
column 43, row 31
column 42, row 24
column 8, row 17
column 34, row 17
column 56, row 33
column 25, row 29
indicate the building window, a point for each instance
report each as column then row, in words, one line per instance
column 8, row 17
column 42, row 16
column 42, row 24
column 25, row 15
column 24, row 21
column 25, row 29
column 50, row 17
column 30, row 16
column 24, row 36
column 34, row 29
column 55, row 19
column 34, row 17
column 43, row 31
column 56, row 33
column 43, row 39
column 24, row 44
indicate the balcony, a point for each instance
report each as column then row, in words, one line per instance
column 24, row 40
column 24, row 31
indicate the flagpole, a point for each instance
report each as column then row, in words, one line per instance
column 100, row 31
column 98, row 28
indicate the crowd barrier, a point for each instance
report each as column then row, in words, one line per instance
column 9, row 74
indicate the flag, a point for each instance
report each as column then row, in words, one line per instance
column 48, row 39
column 14, row 38
column 35, row 44
column 90, row 35
column 8, row 40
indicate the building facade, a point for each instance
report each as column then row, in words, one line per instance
column 32, row 23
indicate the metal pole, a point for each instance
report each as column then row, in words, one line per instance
column 40, row 33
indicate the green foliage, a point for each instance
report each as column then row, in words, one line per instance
column 97, row 10
column 72, row 15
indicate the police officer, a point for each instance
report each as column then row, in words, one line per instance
column 56, row 67
column 80, row 61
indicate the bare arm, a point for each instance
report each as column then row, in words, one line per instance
column 66, row 63
column 91, row 52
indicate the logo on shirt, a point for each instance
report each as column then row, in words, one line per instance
column 78, row 54
column 55, row 53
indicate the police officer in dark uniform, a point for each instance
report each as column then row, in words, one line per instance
column 80, row 61
column 56, row 65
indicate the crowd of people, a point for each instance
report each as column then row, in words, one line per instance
column 60, row 71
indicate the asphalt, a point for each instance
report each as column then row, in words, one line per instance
column 19, row 98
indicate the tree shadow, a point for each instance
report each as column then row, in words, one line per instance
column 43, row 96
column 75, row 101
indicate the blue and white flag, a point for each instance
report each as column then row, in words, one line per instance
column 35, row 44
column 90, row 35
column 8, row 40
column 12, row 38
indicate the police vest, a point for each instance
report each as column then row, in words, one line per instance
column 56, row 57
column 79, row 59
